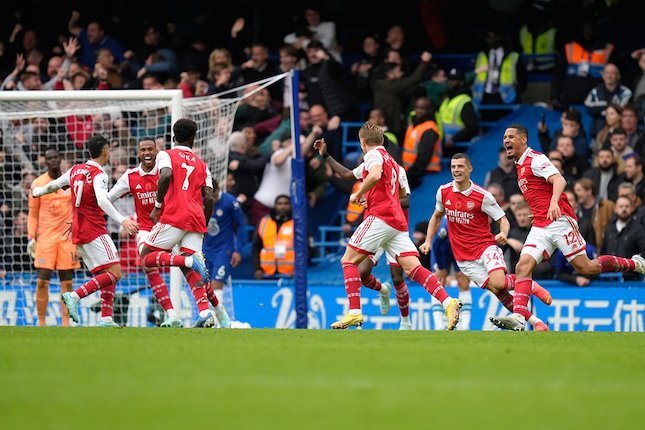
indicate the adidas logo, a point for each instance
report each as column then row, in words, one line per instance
column 138, row 187
column 448, row 202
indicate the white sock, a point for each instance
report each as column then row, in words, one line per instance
column 384, row 291
column 171, row 313
column 205, row 313
column 189, row 261
column 533, row 320
column 354, row 311
column 466, row 298
column 75, row 296
column 219, row 293
column 437, row 315
column 405, row 320
column 446, row 302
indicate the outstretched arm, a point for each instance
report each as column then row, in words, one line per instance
column 338, row 168
column 101, row 191
column 61, row 182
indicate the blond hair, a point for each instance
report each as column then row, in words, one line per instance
column 371, row 134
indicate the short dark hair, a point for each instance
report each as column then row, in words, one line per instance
column 95, row 145
column 573, row 115
column 460, row 156
column 637, row 160
column 618, row 130
column 185, row 130
column 520, row 128
column 282, row 196
column 145, row 139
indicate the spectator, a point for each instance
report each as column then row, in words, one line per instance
column 330, row 129
column 92, row 39
column 16, row 244
column 391, row 142
column 219, row 59
column 457, row 116
column 585, row 225
column 437, row 86
column 504, row 174
column 613, row 119
column 606, row 175
column 597, row 211
column 107, row 75
column 325, row 81
column 318, row 30
column 393, row 91
column 624, row 237
column 255, row 108
column 557, row 159
column 515, row 201
column 618, row 144
column 276, row 181
column 573, row 164
column 191, row 84
column 635, row 137
column 639, row 84
column 422, row 144
column 364, row 69
column 571, row 121
column 537, row 38
column 273, row 251
column 258, row 67
column 609, row 92
column 634, row 174
column 580, row 68
column 150, row 81
column 498, row 193
column 500, row 76
column 395, row 41
column 20, row 193
column 628, row 191
column 245, row 169
column 518, row 233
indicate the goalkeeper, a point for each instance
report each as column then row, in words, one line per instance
column 49, row 243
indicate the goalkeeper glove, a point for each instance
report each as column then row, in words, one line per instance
column 31, row 248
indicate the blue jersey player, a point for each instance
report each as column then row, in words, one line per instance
column 223, row 242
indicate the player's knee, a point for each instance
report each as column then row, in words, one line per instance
column 116, row 271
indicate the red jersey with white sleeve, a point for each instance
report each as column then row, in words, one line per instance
column 404, row 185
column 467, row 213
column 143, row 187
column 88, row 182
column 183, row 206
column 533, row 170
column 383, row 198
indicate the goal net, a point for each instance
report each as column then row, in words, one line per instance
column 33, row 121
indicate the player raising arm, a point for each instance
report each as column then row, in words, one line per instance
column 554, row 226
column 468, row 207
column 88, row 182
column 366, row 266
column 141, row 182
column 184, row 203
column 384, row 226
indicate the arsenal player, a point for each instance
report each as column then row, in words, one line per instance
column 384, row 226
column 141, row 182
column 88, row 182
column 467, row 207
column 184, row 202
column 555, row 226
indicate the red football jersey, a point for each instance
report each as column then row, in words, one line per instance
column 533, row 170
column 383, row 199
column 89, row 219
column 467, row 214
column 183, row 206
column 143, row 187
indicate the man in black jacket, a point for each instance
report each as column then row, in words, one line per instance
column 605, row 177
column 504, row 174
column 624, row 237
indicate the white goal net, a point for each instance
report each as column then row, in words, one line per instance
column 34, row 121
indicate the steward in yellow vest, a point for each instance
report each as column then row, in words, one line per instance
column 457, row 117
column 538, row 42
column 273, row 251
column 499, row 75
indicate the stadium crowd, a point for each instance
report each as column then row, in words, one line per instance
column 427, row 106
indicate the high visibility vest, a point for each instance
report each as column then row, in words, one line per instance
column 277, row 254
column 543, row 44
column 449, row 115
column 507, row 77
column 354, row 210
column 411, row 146
column 581, row 62
column 391, row 137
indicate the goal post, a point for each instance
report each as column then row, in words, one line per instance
column 31, row 121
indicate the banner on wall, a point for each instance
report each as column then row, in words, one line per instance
column 271, row 304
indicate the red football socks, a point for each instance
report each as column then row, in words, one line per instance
column 523, row 288
column 352, row 285
column 197, row 287
column 403, row 299
column 164, row 259
column 609, row 263
column 100, row 281
column 159, row 289
column 430, row 282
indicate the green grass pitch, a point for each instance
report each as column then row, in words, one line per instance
column 287, row 379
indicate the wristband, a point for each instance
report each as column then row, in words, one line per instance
column 158, row 204
column 326, row 156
